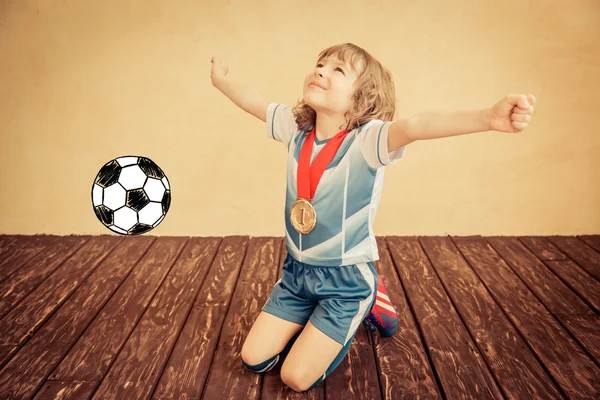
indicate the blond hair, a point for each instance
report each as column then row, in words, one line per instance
column 374, row 98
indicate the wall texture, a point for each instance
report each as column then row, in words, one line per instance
column 83, row 82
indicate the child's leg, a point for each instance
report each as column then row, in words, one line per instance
column 346, row 294
column 313, row 357
column 279, row 324
column 268, row 341
column 334, row 364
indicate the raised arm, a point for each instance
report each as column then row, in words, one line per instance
column 247, row 98
column 511, row 114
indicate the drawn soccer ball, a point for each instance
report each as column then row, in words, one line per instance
column 131, row 195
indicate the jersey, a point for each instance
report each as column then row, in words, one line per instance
column 347, row 196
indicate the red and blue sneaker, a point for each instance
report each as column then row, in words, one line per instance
column 383, row 315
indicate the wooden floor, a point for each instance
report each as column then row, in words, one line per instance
column 165, row 318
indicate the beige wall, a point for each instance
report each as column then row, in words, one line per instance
column 83, row 82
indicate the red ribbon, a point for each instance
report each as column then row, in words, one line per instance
column 309, row 174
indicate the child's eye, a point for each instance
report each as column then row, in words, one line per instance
column 338, row 68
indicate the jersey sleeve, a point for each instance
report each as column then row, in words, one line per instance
column 281, row 124
column 374, row 144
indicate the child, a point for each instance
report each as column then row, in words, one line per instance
column 339, row 137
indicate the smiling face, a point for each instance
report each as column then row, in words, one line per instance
column 330, row 86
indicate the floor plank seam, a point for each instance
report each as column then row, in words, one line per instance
column 3, row 278
column 118, row 352
column 189, row 312
column 218, row 340
column 569, row 258
column 424, row 343
column 452, row 302
column 583, row 299
column 377, row 364
column 510, row 321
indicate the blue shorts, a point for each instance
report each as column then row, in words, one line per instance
column 334, row 299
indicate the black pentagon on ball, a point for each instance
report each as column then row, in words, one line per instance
column 108, row 174
column 150, row 168
column 166, row 201
column 139, row 228
column 136, row 199
column 104, row 214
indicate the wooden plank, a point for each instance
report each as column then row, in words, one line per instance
column 92, row 355
column 139, row 364
column 573, row 371
column 39, row 356
column 54, row 390
column 6, row 351
column 23, row 320
column 515, row 367
column 228, row 378
column 542, row 248
column 551, row 291
column 404, row 368
column 587, row 328
column 571, row 274
column 21, row 249
column 585, row 256
column 460, row 368
column 25, row 279
column 187, row 369
column 579, row 281
column 591, row 240
column 7, row 244
column 6, row 240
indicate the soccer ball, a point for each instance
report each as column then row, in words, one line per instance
column 131, row 195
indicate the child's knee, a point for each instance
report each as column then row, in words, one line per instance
column 298, row 381
column 259, row 366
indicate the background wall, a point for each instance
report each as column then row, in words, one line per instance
column 83, row 82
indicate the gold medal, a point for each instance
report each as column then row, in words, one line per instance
column 303, row 216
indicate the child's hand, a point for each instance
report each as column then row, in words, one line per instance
column 219, row 70
column 512, row 114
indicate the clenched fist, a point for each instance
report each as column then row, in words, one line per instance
column 512, row 114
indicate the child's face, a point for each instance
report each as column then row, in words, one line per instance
column 329, row 87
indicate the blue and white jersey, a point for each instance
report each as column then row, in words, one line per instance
column 347, row 196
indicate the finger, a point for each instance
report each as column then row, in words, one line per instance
column 517, row 110
column 519, row 100
column 520, row 117
column 531, row 98
column 519, row 125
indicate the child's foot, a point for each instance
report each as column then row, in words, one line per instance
column 383, row 315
